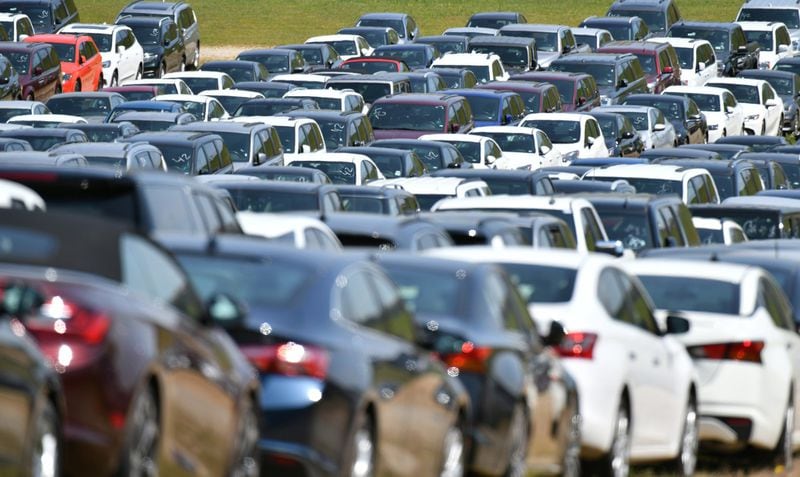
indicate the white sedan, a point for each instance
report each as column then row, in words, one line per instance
column 763, row 108
column 650, row 123
column 528, row 146
column 724, row 115
column 744, row 345
column 480, row 151
column 204, row 108
column 637, row 384
column 574, row 135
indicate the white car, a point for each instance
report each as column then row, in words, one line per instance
column 169, row 86
column 593, row 37
column 342, row 167
column 693, row 186
column 333, row 99
column 486, row 66
column 123, row 56
column 231, row 99
column 763, row 108
column 637, row 385
column 577, row 212
column 309, row 81
column 46, row 120
column 298, row 136
column 200, row 81
column 480, row 151
column 523, row 146
column 204, row 108
column 649, row 122
column 697, row 58
column 470, row 31
column 432, row 190
column 744, row 344
column 10, row 109
column 721, row 231
column 348, row 46
column 724, row 115
column 774, row 41
column 301, row 232
column 574, row 135
column 17, row 25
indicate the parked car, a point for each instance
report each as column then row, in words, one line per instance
column 164, row 85
column 487, row 67
column 495, row 19
column 391, row 162
column 105, row 132
column 305, row 233
column 731, row 177
column 240, row 69
column 341, row 167
column 276, row 60
column 594, row 38
column 658, row 60
column 384, row 233
column 649, row 122
column 10, row 109
column 162, row 43
column 446, row 43
column 144, row 106
column 123, row 56
column 409, row 116
column 374, row 64
column 278, row 196
column 505, row 182
column 573, row 135
column 10, row 86
column 403, row 23
column 92, row 106
column 155, row 121
column 119, row 156
column 763, row 108
column 42, row 139
column 692, row 185
column 415, row 55
column 760, row 219
column 455, row 77
column 724, row 115
column 180, row 13
column 536, row 97
column 378, row 200
column 659, row 15
column 787, row 86
column 17, row 26
column 773, row 39
column 297, row 135
column 684, row 115
column 286, row 173
column 517, row 54
column 617, row 75
column 189, row 153
column 733, row 52
column 523, row 145
column 47, row 16
column 622, row 28
column 376, row 36
column 697, row 59
column 347, row 46
column 434, row 155
column 204, row 108
column 552, row 41
column 38, row 67
column 622, row 140
column 578, row 91
column 718, row 231
column 249, row 144
column 319, row 56
column 199, row 81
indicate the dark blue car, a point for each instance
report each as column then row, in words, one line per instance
column 493, row 108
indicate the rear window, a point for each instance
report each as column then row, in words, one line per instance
column 260, row 200
column 693, row 294
column 542, row 284
column 633, row 230
column 428, row 291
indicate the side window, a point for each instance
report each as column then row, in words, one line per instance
column 611, row 294
column 672, row 225
column 357, row 304
column 663, row 59
column 91, row 49
column 214, row 163
column 712, row 191
column 208, row 212
column 396, row 320
column 61, row 13
column 302, row 137
column 224, row 154
column 781, row 182
column 591, row 229
column 782, row 36
column 773, row 301
column 38, row 60
column 201, row 164
column 168, row 219
column 744, row 182
column 315, row 138
column 663, row 229
column 641, row 315
column 698, row 184
column 497, row 69
column 737, row 39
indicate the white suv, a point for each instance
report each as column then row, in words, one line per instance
column 574, row 135
column 486, row 66
column 693, row 186
column 772, row 37
column 123, row 56
column 763, row 108
column 17, row 25
column 697, row 58
column 784, row 11
column 334, row 99
column 299, row 136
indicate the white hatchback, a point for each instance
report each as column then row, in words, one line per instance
column 523, row 146
column 574, row 135
column 697, row 58
column 763, row 108
column 480, row 151
column 724, row 115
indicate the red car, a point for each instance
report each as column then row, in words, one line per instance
column 81, row 63
column 374, row 64
column 659, row 61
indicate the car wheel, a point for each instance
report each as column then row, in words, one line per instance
column 617, row 462
column 140, row 451
column 196, row 60
column 686, row 462
column 100, row 83
column 454, row 453
column 77, row 86
column 114, row 79
column 247, row 464
column 517, row 457
column 162, row 71
column 785, row 448
column 46, row 452
column 361, row 462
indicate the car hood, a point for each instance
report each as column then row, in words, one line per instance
column 547, row 57
column 399, row 134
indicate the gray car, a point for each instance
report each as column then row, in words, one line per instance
column 181, row 13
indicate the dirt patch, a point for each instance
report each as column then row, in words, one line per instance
column 229, row 52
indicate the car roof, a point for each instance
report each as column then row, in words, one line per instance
column 214, row 126
column 97, row 148
column 533, row 27
column 149, row 115
column 637, row 200
column 417, row 98
column 589, row 58
column 706, row 25
column 287, row 186
column 742, row 81
column 378, row 192
column 643, row 171
column 561, row 258
column 513, row 202
column 719, row 271
column 501, row 40
column 630, row 46
column 425, row 184
column 711, row 165
column 20, row 47
column 169, row 137
column 383, row 15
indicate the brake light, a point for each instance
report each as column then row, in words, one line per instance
column 58, row 317
column 577, row 345
column 748, row 351
column 471, row 358
column 288, row 359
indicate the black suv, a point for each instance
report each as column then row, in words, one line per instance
column 179, row 12
column 47, row 16
column 189, row 153
column 378, row 200
column 617, row 75
column 340, row 129
column 164, row 49
column 659, row 15
column 517, row 54
column 734, row 53
column 787, row 85
column 621, row 28
column 250, row 144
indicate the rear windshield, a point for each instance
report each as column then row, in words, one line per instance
column 542, row 284
column 789, row 16
column 339, row 172
column 632, row 229
column 428, row 291
column 361, row 203
column 260, row 200
column 369, row 91
column 693, row 294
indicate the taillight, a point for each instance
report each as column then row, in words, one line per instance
column 289, row 359
column 59, row 318
column 577, row 345
column 749, row 351
column 470, row 358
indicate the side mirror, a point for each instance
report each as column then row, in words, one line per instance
column 783, row 48
column 622, row 83
column 507, row 119
column 677, row 325
column 590, row 141
column 699, row 67
column 556, row 334
column 670, row 242
column 771, row 103
column 566, row 50
column 667, row 70
column 22, row 37
column 659, row 127
column 610, row 247
column 628, row 135
column 545, row 149
column 261, row 158
column 581, row 101
column 165, row 42
column 454, row 127
column 224, row 310
column 490, row 159
column 730, row 109
column 121, row 49
column 742, row 49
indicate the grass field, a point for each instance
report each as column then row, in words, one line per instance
column 270, row 22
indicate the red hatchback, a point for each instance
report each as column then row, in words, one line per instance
column 578, row 91
column 374, row 64
column 659, row 61
column 81, row 63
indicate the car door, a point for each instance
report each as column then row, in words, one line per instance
column 189, row 29
column 774, row 112
column 123, row 58
column 708, row 67
column 172, row 48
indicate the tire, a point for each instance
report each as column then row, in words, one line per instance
column 617, row 462
column 247, row 462
column 142, row 438
column 361, row 452
column 518, row 453
column 46, row 450
column 784, row 451
column 686, row 461
column 140, row 72
column 571, row 462
column 454, row 455
column 162, row 71
column 77, row 86
column 114, row 79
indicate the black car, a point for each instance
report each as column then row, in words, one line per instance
column 621, row 138
column 659, row 15
column 190, row 153
column 517, row 54
column 642, row 221
column 787, row 85
column 10, row 87
column 495, row 20
column 726, row 151
column 732, row 177
column 392, row 162
column 479, row 228
column 682, row 152
column 474, row 332
column 179, row 12
column 734, row 53
column 387, row 233
column 319, row 56
column 270, row 89
column 510, row 182
column 618, row 76
column 92, row 106
column 287, row 174
column 415, row 55
column 757, row 143
column 378, row 200
column 376, row 36
column 684, row 115
column 283, row 196
column 274, row 106
column 789, row 165
column 456, row 77
column 42, row 139
column 117, row 155
column 316, row 306
column 47, row 16
column 276, row 60
column 250, row 144
column 435, row 155
column 340, row 129
column 240, row 70
column 105, row 132
column 759, row 222
column 164, row 48
column 154, row 121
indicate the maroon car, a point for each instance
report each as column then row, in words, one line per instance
column 137, row 92
column 411, row 115
column 39, row 68
column 538, row 97
column 659, row 61
column 374, row 64
column 578, row 91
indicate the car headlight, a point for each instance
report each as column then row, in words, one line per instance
column 713, row 127
column 66, row 77
column 751, row 117
column 106, row 64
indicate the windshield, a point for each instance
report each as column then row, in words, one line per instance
column 648, row 63
column 763, row 38
column 273, row 63
column 286, row 134
column 719, row 39
column 151, row 125
column 482, row 73
column 559, row 132
column 345, row 47
column 374, row 37
column 608, row 126
column 631, row 229
column 789, row 16
column 102, row 134
column 261, row 200
column 178, row 158
column 511, row 142
column 201, row 84
column 531, row 101
column 405, row 116
column 742, row 93
column 509, row 55
column 590, row 40
column 448, row 46
column 413, row 57
column 706, row 102
column 603, row 73
column 639, row 120
column 238, row 73
column 618, row 32
column 369, row 91
column 8, row 113
column 725, row 185
column 495, row 23
column 262, row 108
column 238, row 145
column 19, row 61
column 649, row 186
column 390, row 165
column 671, row 109
column 334, row 132
column 654, row 18
column 370, row 67
column 426, row 291
column 231, row 103
column 79, row 106
column 542, row 284
column 196, row 108
column 484, row 109
column 107, row 161
column 566, row 90
column 692, row 294
column 103, row 42
column 685, row 57
column 267, row 282
column 363, row 203
column 470, row 150
column 146, row 35
column 784, row 87
column 396, row 24
column 40, row 16
column 545, row 41
column 710, row 236
column 508, row 187
column 339, row 172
